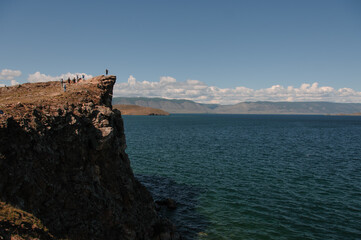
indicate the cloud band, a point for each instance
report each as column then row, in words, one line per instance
column 168, row 87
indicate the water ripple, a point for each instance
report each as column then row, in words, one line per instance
column 253, row 177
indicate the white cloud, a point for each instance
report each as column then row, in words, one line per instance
column 40, row 77
column 131, row 80
column 8, row 74
column 167, row 80
column 14, row 82
column 169, row 87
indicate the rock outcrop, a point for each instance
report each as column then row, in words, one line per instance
column 139, row 110
column 63, row 163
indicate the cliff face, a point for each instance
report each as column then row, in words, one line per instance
column 63, row 160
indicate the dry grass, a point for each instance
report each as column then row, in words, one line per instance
column 18, row 100
column 20, row 218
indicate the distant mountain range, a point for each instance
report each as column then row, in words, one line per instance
column 186, row 106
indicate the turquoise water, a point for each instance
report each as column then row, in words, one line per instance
column 252, row 176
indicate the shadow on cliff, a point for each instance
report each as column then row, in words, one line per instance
column 189, row 222
column 46, row 173
column 75, row 178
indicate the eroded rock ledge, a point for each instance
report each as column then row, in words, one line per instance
column 63, row 163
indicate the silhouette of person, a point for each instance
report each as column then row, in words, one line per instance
column 106, row 71
column 64, row 87
column 69, row 80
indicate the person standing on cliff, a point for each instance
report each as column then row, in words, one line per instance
column 64, row 87
column 62, row 82
column 106, row 71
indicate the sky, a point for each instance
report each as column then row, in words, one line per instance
column 208, row 51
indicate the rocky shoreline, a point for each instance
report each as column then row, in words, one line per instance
column 64, row 167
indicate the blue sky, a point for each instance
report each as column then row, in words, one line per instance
column 223, row 44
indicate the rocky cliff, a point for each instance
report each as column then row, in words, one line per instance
column 64, row 173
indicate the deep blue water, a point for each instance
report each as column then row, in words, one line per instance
column 252, row 176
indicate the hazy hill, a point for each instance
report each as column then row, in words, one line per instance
column 186, row 106
column 290, row 108
column 168, row 105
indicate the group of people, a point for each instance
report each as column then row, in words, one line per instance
column 75, row 80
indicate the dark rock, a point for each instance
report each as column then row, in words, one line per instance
column 70, row 170
column 168, row 202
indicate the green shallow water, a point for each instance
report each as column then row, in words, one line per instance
column 252, row 176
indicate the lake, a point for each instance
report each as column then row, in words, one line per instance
column 252, row 176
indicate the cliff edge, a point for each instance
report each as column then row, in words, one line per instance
column 64, row 173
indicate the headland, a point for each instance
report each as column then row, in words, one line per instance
column 139, row 110
column 64, row 173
